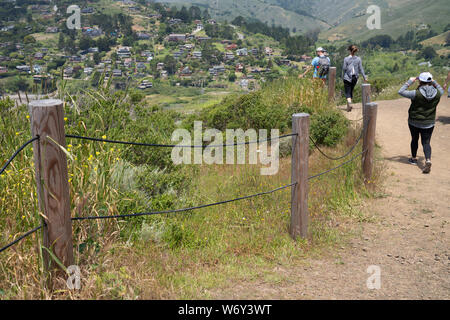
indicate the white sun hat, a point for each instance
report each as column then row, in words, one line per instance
column 320, row 49
column 426, row 77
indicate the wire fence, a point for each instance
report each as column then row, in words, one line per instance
column 175, row 145
column 183, row 146
column 8, row 162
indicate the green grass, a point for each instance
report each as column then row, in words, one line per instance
column 189, row 255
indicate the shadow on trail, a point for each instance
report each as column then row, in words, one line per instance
column 404, row 160
column 443, row 119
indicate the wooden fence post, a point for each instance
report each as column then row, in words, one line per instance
column 299, row 193
column 370, row 121
column 47, row 121
column 332, row 84
column 365, row 94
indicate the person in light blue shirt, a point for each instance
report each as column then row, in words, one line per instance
column 321, row 65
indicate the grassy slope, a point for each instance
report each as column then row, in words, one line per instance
column 395, row 21
column 171, row 256
column 229, row 9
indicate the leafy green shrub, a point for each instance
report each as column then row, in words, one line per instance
column 328, row 128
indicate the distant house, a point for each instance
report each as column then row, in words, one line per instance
column 146, row 53
column 239, row 67
column 68, row 72
column 242, row 52
column 175, row 21
column 52, row 30
column 75, row 59
column 164, row 74
column 177, row 37
column 160, row 66
column 93, row 49
column 37, row 69
column 87, row 10
column 23, row 68
column 3, row 69
column 124, row 52
column 38, row 56
column 268, row 51
column 212, row 21
column 178, row 54
column 197, row 54
column 229, row 56
column 232, row 46
column 216, row 70
column 117, row 73
column 186, row 72
column 92, row 32
column 88, row 70
column 304, row 58
column 187, row 46
column 143, row 36
column 285, row 62
column 140, row 65
column 128, row 62
column 202, row 39
column 254, row 51
column 7, row 28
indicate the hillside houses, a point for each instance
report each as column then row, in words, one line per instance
column 177, row 37
column 123, row 52
column 197, row 54
column 242, row 52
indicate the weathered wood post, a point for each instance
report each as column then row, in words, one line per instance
column 370, row 121
column 47, row 121
column 365, row 94
column 332, row 84
column 299, row 193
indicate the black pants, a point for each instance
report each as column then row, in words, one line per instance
column 425, row 135
column 349, row 86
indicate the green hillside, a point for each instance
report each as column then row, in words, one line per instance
column 265, row 11
column 399, row 17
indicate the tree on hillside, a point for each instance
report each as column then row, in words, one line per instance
column 429, row 53
column 447, row 39
column 170, row 64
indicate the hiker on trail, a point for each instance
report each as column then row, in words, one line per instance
column 321, row 65
column 422, row 114
column 350, row 73
column 446, row 84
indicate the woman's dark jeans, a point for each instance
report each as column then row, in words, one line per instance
column 349, row 86
column 425, row 135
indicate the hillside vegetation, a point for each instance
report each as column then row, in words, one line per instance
column 183, row 255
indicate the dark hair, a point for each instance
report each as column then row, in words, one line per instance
column 353, row 49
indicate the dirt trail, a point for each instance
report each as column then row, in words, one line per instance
column 409, row 240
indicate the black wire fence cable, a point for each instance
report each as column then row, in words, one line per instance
column 184, row 209
column 343, row 156
column 16, row 153
column 21, row 237
column 341, row 165
column 174, row 145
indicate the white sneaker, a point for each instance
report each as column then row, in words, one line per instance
column 427, row 168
